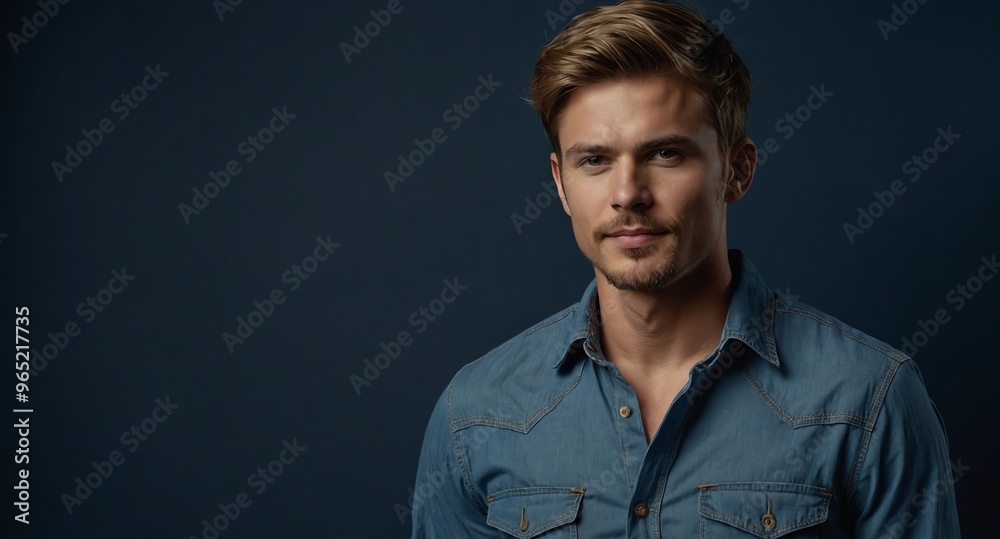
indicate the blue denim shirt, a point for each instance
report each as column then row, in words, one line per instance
column 797, row 425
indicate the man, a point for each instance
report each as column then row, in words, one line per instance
column 681, row 397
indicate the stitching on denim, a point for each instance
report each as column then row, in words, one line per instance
column 858, row 465
column 701, row 497
column 869, row 432
column 661, row 493
column 568, row 311
column 459, row 451
column 515, row 340
column 565, row 518
column 798, row 488
column 896, row 356
column 769, row 318
column 467, row 472
column 806, row 420
column 767, row 398
column 621, row 435
column 662, row 488
column 522, row 427
column 880, row 394
column 824, row 494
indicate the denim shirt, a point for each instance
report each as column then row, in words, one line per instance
column 795, row 426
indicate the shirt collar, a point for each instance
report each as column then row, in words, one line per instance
column 750, row 318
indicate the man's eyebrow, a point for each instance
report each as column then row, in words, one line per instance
column 669, row 140
column 582, row 148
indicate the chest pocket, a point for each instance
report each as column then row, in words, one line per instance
column 547, row 512
column 766, row 510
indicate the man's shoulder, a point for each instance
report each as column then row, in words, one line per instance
column 829, row 370
column 511, row 382
column 799, row 326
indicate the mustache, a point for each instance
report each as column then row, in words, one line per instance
column 632, row 220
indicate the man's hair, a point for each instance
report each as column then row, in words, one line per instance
column 637, row 38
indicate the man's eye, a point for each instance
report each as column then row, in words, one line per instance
column 665, row 154
column 594, row 161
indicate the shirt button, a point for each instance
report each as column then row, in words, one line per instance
column 641, row 510
column 625, row 411
column 768, row 519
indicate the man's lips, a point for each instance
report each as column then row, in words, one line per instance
column 635, row 237
column 636, row 232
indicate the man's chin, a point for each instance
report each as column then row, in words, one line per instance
column 635, row 286
column 638, row 279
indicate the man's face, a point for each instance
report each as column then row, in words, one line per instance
column 642, row 179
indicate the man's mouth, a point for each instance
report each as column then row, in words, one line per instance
column 635, row 237
column 636, row 232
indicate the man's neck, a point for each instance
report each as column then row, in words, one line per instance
column 665, row 331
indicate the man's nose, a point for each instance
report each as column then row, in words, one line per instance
column 629, row 187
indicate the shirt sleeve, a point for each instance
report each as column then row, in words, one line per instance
column 906, row 480
column 444, row 503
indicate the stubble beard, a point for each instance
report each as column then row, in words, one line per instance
column 655, row 279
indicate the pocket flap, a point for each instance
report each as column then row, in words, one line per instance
column 763, row 509
column 527, row 512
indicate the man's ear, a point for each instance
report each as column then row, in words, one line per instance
column 557, row 176
column 742, row 164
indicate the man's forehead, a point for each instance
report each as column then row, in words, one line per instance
column 640, row 107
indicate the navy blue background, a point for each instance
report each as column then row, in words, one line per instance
column 323, row 176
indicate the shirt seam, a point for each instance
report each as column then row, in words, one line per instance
column 895, row 355
column 877, row 408
column 522, row 427
column 805, row 420
column 554, row 318
column 621, row 435
column 459, row 452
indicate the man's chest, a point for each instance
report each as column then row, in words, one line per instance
column 721, row 460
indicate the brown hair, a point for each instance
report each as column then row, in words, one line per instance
column 643, row 37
